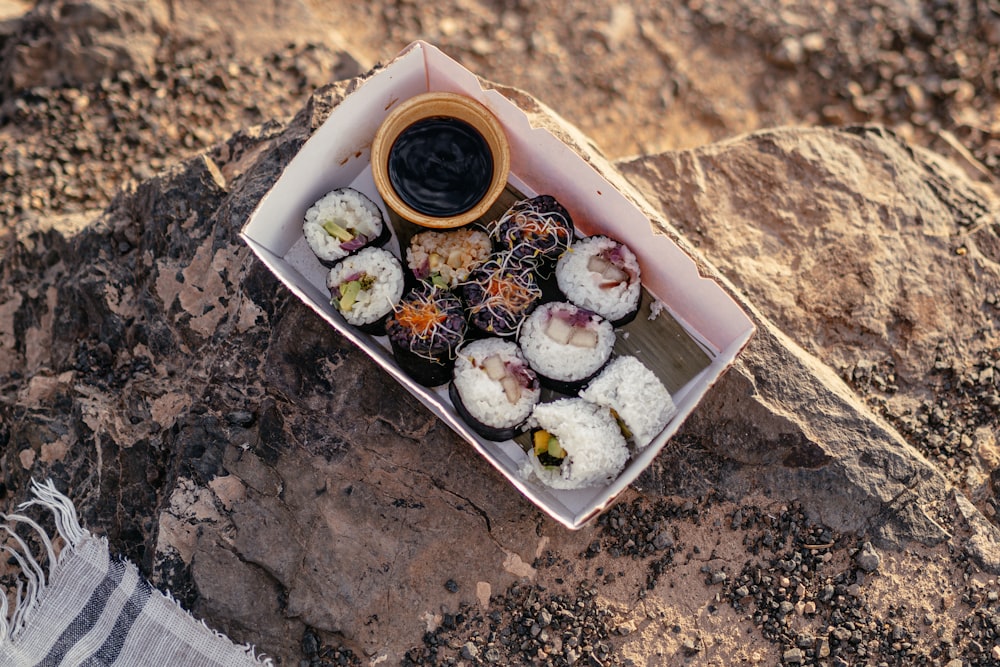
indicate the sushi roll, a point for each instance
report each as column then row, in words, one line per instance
column 493, row 390
column 365, row 287
column 499, row 294
column 536, row 230
column 566, row 345
column 575, row 444
column 636, row 397
column 425, row 330
column 342, row 222
column 602, row 275
column 445, row 258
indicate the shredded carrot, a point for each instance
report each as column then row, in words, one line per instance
column 533, row 232
column 509, row 292
column 420, row 317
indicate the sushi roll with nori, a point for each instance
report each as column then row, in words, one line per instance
column 342, row 222
column 365, row 287
column 493, row 389
column 637, row 398
column 499, row 294
column 602, row 275
column 536, row 230
column 575, row 444
column 566, row 345
column 425, row 329
column 445, row 258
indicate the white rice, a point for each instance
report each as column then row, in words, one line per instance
column 564, row 362
column 385, row 291
column 634, row 392
column 484, row 397
column 584, row 287
column 348, row 208
column 450, row 254
column 595, row 449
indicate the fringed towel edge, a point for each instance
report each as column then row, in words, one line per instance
column 73, row 534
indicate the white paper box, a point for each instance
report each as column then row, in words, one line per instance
column 337, row 155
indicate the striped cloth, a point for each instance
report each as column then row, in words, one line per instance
column 93, row 609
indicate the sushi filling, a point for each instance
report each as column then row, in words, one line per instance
column 353, row 290
column 428, row 323
column 494, row 386
column 566, row 344
column 636, row 397
column 496, row 370
column 346, row 232
column 575, row 444
column 534, row 229
column 547, row 448
column 609, row 268
column 498, row 298
column 602, row 275
column 446, row 258
column 572, row 328
column 364, row 286
column 342, row 222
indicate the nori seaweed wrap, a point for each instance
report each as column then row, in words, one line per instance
column 425, row 330
column 536, row 230
column 499, row 294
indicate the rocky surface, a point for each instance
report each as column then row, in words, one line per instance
column 886, row 267
column 151, row 83
column 832, row 502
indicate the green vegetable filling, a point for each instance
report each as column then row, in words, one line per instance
column 351, row 290
column 548, row 450
column 336, row 231
column 349, row 295
column 621, row 424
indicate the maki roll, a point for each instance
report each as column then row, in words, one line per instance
column 425, row 330
column 635, row 396
column 566, row 345
column 365, row 287
column 445, row 258
column 499, row 295
column 342, row 222
column 576, row 444
column 602, row 275
column 536, row 230
column 494, row 389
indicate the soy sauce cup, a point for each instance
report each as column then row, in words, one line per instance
column 440, row 160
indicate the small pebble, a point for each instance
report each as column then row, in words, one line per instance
column 868, row 559
column 793, row 656
column 470, row 651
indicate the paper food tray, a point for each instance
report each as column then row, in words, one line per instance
column 696, row 336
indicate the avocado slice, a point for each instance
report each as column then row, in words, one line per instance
column 547, row 448
column 555, row 449
column 336, row 231
column 349, row 294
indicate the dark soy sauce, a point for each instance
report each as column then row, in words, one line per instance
column 440, row 166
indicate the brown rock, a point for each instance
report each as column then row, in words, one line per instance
column 83, row 42
column 357, row 505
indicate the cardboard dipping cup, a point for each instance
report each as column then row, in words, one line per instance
column 440, row 105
